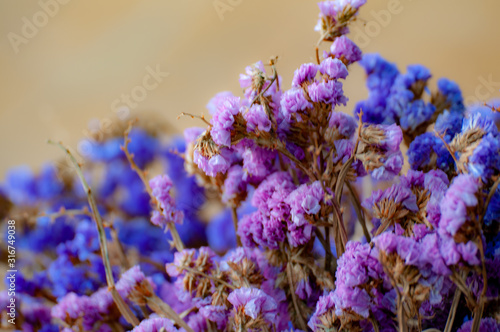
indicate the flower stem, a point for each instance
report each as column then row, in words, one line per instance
column 120, row 303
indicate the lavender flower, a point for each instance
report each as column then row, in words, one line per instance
column 223, row 119
column 344, row 49
column 254, row 303
column 356, row 268
column 305, row 73
column 293, row 101
column 379, row 150
column 333, row 68
column 155, row 325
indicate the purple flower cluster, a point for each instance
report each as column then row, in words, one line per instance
column 458, row 244
column 277, row 185
column 379, row 150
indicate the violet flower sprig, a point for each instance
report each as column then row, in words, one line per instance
column 160, row 205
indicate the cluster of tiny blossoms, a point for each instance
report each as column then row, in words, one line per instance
column 256, row 221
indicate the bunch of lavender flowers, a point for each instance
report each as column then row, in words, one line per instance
column 284, row 166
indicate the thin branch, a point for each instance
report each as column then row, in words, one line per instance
column 234, row 215
column 120, row 303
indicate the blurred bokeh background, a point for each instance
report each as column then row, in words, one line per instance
column 65, row 63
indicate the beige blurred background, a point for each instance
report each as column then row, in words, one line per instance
column 71, row 68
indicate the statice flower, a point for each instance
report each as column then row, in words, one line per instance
column 429, row 189
column 76, row 310
column 452, row 94
column 234, row 190
column 142, row 145
column 332, row 12
column 478, row 123
column 333, row 68
column 324, row 313
column 304, row 74
column 329, row 92
column 218, row 163
column 23, row 187
column 449, row 124
column 216, row 102
column 274, row 185
column 160, row 187
column 257, row 118
column 485, row 160
column 427, row 152
column 422, row 253
column 358, row 274
column 255, row 80
column 257, row 162
column 220, row 231
column 391, row 205
column 493, row 212
column 342, row 125
column 305, row 200
column 380, row 74
column 129, row 280
column 487, row 110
